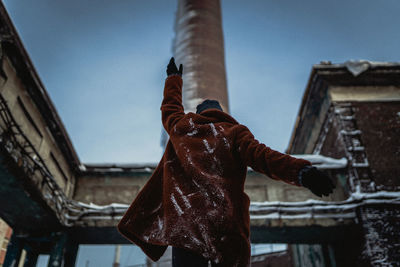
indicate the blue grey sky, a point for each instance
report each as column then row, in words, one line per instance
column 103, row 62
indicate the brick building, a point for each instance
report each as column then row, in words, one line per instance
column 352, row 110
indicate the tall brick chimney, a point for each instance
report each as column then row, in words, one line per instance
column 199, row 46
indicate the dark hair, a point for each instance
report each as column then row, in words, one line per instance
column 207, row 104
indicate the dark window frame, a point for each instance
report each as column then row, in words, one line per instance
column 59, row 167
column 28, row 116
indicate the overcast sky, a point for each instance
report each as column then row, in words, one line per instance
column 103, row 62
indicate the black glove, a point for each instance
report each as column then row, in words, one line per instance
column 318, row 182
column 172, row 69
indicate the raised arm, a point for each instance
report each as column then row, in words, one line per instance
column 171, row 108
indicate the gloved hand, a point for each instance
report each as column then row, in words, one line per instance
column 318, row 182
column 172, row 69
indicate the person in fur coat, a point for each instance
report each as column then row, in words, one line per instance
column 195, row 200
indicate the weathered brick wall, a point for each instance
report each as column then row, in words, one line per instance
column 381, row 227
column 379, row 123
column 31, row 122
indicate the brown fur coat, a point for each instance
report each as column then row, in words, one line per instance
column 195, row 198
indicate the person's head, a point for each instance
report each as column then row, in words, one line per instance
column 207, row 104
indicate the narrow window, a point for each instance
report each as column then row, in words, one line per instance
column 28, row 116
column 58, row 167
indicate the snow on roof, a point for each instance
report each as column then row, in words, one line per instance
column 356, row 67
column 322, row 162
column 112, row 167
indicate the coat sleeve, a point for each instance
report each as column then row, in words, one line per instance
column 265, row 160
column 171, row 108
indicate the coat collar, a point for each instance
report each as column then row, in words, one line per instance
column 212, row 115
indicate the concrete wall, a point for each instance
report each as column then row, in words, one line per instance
column 36, row 130
column 107, row 188
column 262, row 188
column 112, row 187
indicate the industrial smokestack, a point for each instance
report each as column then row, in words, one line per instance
column 117, row 255
column 199, row 46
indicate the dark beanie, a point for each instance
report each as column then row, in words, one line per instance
column 207, row 104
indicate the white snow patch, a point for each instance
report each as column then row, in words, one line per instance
column 226, row 142
column 205, row 236
column 185, row 199
column 361, row 164
column 208, row 147
column 354, row 132
column 189, row 159
column 198, row 242
column 191, row 122
column 188, row 15
column 196, row 184
column 157, row 208
column 357, row 66
column 319, row 208
column 213, row 129
column 194, row 132
column 193, row 128
column 177, row 207
column 379, row 194
column 101, row 207
column 159, row 222
column 179, row 191
column 169, row 161
column 146, row 238
column 221, row 193
column 322, row 162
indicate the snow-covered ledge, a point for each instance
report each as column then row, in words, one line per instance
column 322, row 162
column 320, row 209
column 309, row 209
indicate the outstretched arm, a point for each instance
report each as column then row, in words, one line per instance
column 280, row 166
column 171, row 108
column 263, row 159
